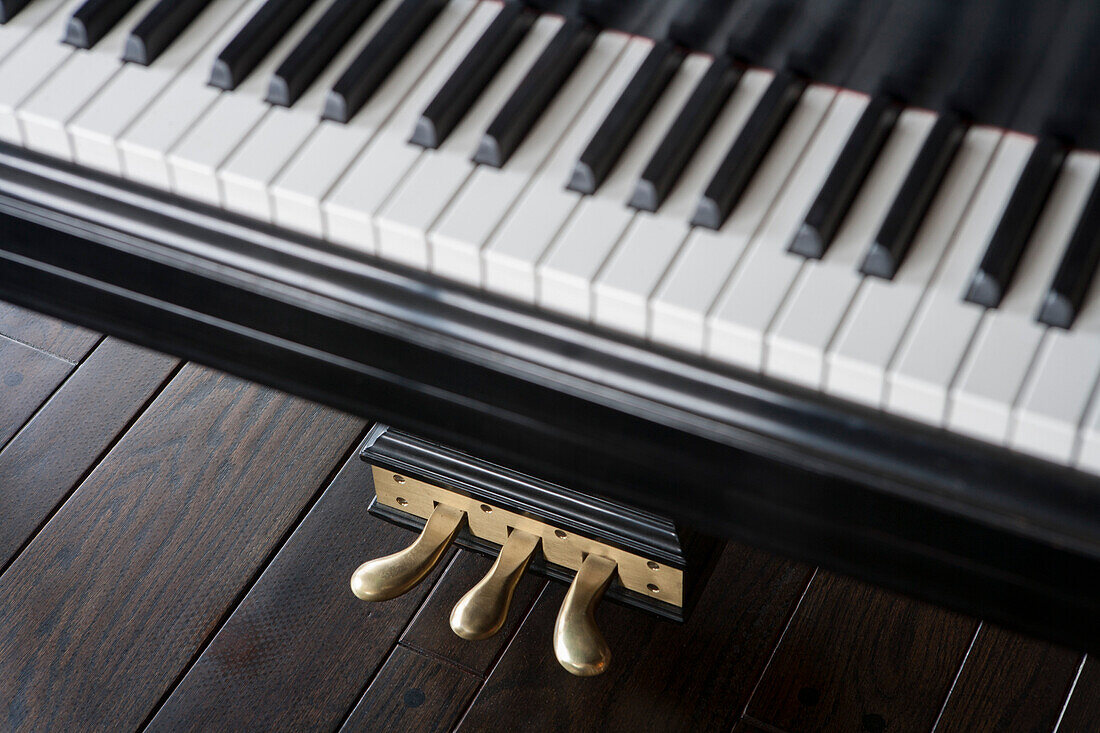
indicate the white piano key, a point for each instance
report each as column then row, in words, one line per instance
column 144, row 145
column 820, row 298
column 404, row 222
column 755, row 292
column 246, row 176
column 1004, row 348
column 876, row 323
column 43, row 116
column 28, row 66
column 566, row 274
column 297, row 192
column 18, row 29
column 486, row 199
column 929, row 356
column 348, row 209
column 96, row 129
column 509, row 259
column 195, row 159
column 678, row 310
column 635, row 267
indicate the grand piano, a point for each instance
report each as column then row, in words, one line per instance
column 632, row 276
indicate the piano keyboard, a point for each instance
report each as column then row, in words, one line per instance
column 884, row 254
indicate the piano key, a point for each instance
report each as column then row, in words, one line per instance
column 415, row 205
column 486, row 200
column 755, row 292
column 247, row 174
column 195, row 159
column 95, row 19
column 1004, row 347
column 9, row 9
column 568, row 269
column 143, row 144
column 527, row 103
column 96, row 130
column 317, row 50
column 44, row 114
column 160, row 28
column 743, row 158
column 928, row 358
column 510, row 258
column 877, row 320
column 845, row 179
column 28, row 65
column 252, row 44
column 379, row 57
column 342, row 200
column 806, row 324
column 890, row 247
column 470, row 78
column 678, row 310
column 19, row 26
column 624, row 119
column 638, row 262
column 1077, row 270
column 998, row 265
column 686, row 134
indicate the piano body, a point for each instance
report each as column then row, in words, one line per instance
column 817, row 277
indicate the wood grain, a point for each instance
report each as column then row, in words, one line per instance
column 63, row 340
column 413, row 692
column 66, row 437
column 1083, row 710
column 430, row 631
column 103, row 610
column 299, row 650
column 663, row 676
column 858, row 658
column 27, row 378
column 1010, row 683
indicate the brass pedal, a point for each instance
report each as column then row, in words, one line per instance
column 601, row 548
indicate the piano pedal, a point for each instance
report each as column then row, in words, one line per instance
column 597, row 546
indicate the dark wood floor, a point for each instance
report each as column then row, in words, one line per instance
column 175, row 548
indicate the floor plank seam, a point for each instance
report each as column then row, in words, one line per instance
column 40, row 350
column 958, row 676
column 262, row 567
column 1069, row 694
column 779, row 641
column 762, row 726
column 436, row 656
column 396, row 643
column 501, row 655
column 94, row 464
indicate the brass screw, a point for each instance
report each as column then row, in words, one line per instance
column 486, row 508
column 652, row 565
column 652, row 588
column 402, row 501
column 399, row 479
column 559, row 534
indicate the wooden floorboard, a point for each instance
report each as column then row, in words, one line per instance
column 413, row 692
column 663, row 676
column 1082, row 711
column 27, row 378
column 1009, row 683
column 300, row 649
column 856, row 658
column 66, row 437
column 63, row 340
column 107, row 604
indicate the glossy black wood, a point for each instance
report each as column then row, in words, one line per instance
column 956, row 521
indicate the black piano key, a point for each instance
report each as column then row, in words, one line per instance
column 908, row 210
column 379, row 57
column 465, row 85
column 159, row 28
column 1006, row 248
column 540, row 84
column 317, row 49
column 752, row 144
column 847, row 176
column 1077, row 269
column 95, row 19
column 625, row 117
column 687, row 132
column 9, row 8
column 255, row 41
